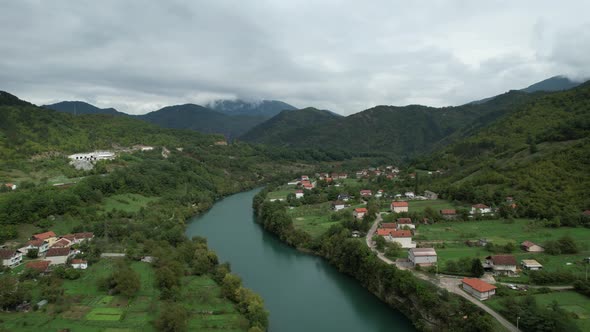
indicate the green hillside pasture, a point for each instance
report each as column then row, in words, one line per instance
column 126, row 202
column 313, row 219
column 436, row 205
column 105, row 314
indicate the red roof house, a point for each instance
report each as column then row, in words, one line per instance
column 40, row 266
column 389, row 225
column 478, row 288
column 44, row 236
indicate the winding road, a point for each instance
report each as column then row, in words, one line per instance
column 449, row 283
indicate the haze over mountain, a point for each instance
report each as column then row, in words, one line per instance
column 80, row 107
column 555, row 83
column 266, row 108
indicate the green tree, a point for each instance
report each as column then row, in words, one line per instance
column 33, row 253
column 230, row 286
column 173, row 318
column 476, row 268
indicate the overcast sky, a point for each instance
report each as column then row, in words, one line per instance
column 346, row 56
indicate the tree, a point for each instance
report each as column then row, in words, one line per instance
column 567, row 245
column 173, row 318
column 476, row 268
column 230, row 286
column 380, row 243
column 33, row 253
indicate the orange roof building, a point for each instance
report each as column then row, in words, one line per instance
column 478, row 288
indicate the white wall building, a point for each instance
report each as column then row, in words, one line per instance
column 422, row 256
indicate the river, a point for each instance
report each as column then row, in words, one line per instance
column 302, row 292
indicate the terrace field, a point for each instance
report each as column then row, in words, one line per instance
column 313, row 219
column 126, row 202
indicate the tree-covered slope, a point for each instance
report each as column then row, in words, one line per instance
column 202, row 119
column 555, row 83
column 80, row 107
column 539, row 153
column 265, row 108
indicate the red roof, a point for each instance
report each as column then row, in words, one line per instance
column 53, row 252
column 479, row 285
column 480, row 206
column 388, row 225
column 402, row 233
column 405, row 221
column 359, row 210
column 399, row 204
column 304, row 183
column 447, row 212
column 62, row 243
column 38, row 265
column 586, row 213
column 366, row 191
column 383, row 231
column 7, row 253
column 527, row 244
column 44, row 236
column 36, row 243
column 503, row 260
column 78, row 261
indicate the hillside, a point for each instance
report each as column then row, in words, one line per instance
column 202, row 119
column 403, row 131
column 539, row 153
column 555, row 83
column 264, row 108
column 80, row 107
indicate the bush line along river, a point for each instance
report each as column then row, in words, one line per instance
column 302, row 292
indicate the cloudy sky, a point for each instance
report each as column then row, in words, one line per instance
column 346, row 56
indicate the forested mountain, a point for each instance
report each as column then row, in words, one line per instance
column 202, row 119
column 265, row 108
column 555, row 83
column 80, row 107
column 405, row 131
column 539, row 153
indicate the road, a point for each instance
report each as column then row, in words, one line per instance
column 448, row 283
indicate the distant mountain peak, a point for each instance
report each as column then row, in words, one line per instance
column 81, row 107
column 267, row 108
column 555, row 83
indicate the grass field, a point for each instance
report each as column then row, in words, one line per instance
column 126, row 202
column 436, row 205
column 313, row 219
column 576, row 304
column 281, row 193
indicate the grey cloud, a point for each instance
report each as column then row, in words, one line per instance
column 341, row 55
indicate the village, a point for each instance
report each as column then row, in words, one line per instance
column 469, row 249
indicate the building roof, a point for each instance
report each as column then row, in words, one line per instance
column 531, row 262
column 44, row 236
column 401, row 233
column 338, row 203
column 399, row 204
column 359, row 210
column 388, row 225
column 365, row 191
column 38, row 265
column 480, row 206
column 384, row 231
column 404, row 221
column 78, row 261
column 503, row 260
column 7, row 253
column 447, row 212
column 61, row 243
column 36, row 242
column 423, row 251
column 53, row 252
column 527, row 244
column 479, row 285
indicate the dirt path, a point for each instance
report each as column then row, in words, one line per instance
column 448, row 283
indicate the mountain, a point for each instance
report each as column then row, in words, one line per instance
column 202, row 119
column 555, row 83
column 538, row 153
column 264, row 108
column 403, row 131
column 80, row 107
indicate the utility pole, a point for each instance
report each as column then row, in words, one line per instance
column 517, row 319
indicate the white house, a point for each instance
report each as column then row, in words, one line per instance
column 10, row 186
column 409, row 194
column 11, row 257
column 299, row 194
column 40, row 245
column 93, row 156
column 501, row 264
column 479, row 289
column 422, row 256
column 405, row 223
column 58, row 255
column 359, row 213
column 480, row 209
column 531, row 247
column 304, row 178
column 399, row 207
column 379, row 193
column 79, row 264
column 531, row 264
column 338, row 205
column 403, row 237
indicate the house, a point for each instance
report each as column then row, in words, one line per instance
column 76, row 238
column 448, row 214
column 307, row 186
column 10, row 186
column 384, row 231
column 343, row 197
column 379, row 193
column 57, row 255
column 11, row 257
column 366, row 193
column 403, row 237
column 501, row 264
column 422, row 256
column 93, row 156
column 509, row 200
column 409, row 194
column 399, row 207
column 147, row 148
column 40, row 266
column 359, row 213
column 430, row 195
column 50, row 237
column 531, row 264
column 338, row 205
column 79, row 264
column 40, row 245
column 220, row 142
column 304, row 178
column 531, row 247
column 479, row 289
column 389, row 225
column 403, row 223
column 299, row 193
column 480, row 209
column 62, row 243
column 342, row 176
